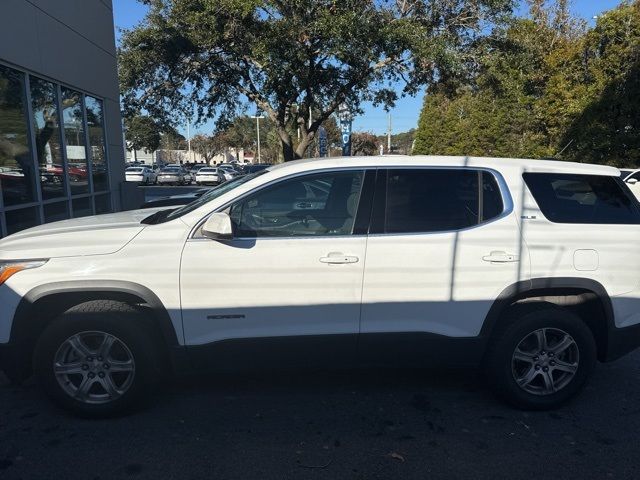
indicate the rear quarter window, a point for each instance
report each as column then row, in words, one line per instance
column 570, row 198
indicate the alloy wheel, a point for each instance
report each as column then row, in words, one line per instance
column 545, row 361
column 94, row 367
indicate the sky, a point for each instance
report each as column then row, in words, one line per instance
column 128, row 13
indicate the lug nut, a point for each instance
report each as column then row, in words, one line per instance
column 545, row 369
column 89, row 359
column 535, row 359
column 85, row 367
column 543, row 352
column 92, row 375
column 101, row 374
column 99, row 359
column 553, row 364
column 551, row 354
column 537, row 367
column 106, row 366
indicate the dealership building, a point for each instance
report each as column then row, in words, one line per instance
column 61, row 143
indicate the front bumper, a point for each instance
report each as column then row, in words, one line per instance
column 622, row 341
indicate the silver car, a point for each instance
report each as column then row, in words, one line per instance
column 172, row 176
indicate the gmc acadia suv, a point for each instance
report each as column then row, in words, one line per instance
column 529, row 269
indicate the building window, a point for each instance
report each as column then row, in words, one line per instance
column 54, row 212
column 82, row 207
column 103, row 204
column 95, row 125
column 46, row 129
column 74, row 134
column 17, row 175
column 21, row 219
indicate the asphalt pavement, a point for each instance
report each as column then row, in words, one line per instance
column 331, row 425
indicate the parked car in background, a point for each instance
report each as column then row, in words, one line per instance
column 632, row 179
column 173, row 175
column 141, row 175
column 175, row 200
column 229, row 171
column 210, row 176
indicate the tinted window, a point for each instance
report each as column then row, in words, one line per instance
column 567, row 198
column 313, row 205
column 95, row 124
column 436, row 200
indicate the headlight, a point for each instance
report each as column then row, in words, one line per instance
column 8, row 268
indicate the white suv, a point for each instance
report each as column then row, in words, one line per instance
column 529, row 269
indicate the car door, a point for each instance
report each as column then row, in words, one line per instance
column 288, row 287
column 443, row 244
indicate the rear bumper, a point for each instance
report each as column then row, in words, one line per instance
column 622, row 341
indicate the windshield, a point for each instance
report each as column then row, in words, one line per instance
column 134, row 170
column 170, row 214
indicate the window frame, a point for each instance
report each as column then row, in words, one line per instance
column 378, row 215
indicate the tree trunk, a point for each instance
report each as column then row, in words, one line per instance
column 286, row 143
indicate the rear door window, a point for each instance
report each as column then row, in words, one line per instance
column 436, row 200
column 570, row 198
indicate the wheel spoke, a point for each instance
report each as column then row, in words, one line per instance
column 562, row 345
column 549, row 383
column 523, row 356
column 79, row 347
column 109, row 386
column 565, row 366
column 83, row 389
column 106, row 345
column 541, row 338
column 67, row 368
column 528, row 377
column 121, row 366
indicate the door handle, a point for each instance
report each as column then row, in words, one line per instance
column 338, row 258
column 501, row 257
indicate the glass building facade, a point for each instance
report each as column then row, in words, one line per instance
column 61, row 145
column 52, row 152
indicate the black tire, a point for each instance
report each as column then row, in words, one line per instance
column 522, row 321
column 124, row 322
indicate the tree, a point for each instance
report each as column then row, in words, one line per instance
column 208, row 146
column 142, row 133
column 171, row 139
column 364, row 143
column 294, row 57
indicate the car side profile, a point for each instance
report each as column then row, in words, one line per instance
column 525, row 268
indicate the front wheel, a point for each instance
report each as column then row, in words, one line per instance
column 97, row 359
column 542, row 357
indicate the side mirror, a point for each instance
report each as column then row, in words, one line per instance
column 218, row 227
column 632, row 181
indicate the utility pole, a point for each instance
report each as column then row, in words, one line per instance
column 258, row 116
column 389, row 133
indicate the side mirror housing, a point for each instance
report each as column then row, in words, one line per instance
column 632, row 181
column 218, row 227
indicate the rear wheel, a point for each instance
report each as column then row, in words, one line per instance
column 97, row 359
column 542, row 357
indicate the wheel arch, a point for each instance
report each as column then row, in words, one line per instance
column 44, row 303
column 585, row 297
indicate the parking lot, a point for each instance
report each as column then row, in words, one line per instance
column 331, row 425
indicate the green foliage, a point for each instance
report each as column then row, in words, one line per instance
column 364, row 143
column 293, row 57
column 142, row 133
column 545, row 87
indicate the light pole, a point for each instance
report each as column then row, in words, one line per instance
column 258, row 116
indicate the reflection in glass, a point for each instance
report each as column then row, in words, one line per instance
column 21, row 219
column 75, row 138
column 54, row 212
column 47, row 135
column 17, row 176
column 103, row 204
column 95, row 124
column 82, row 207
